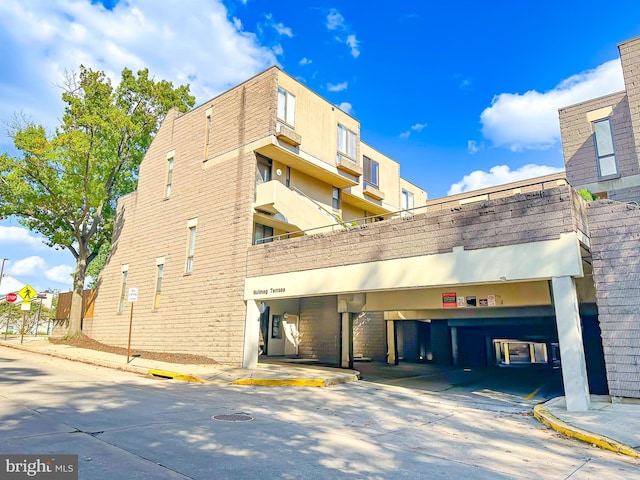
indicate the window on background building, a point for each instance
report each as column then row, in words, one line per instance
column 123, row 289
column 286, row 107
column 407, row 201
column 262, row 234
column 346, row 142
column 336, row 198
column 605, row 151
column 159, row 274
column 191, row 246
column 167, row 191
column 370, row 172
column 287, row 180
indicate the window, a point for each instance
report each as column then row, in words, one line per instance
column 605, row 152
column 276, row 326
column 336, row 198
column 407, row 201
column 123, row 290
column 286, row 107
column 262, row 234
column 346, row 142
column 287, row 180
column 167, row 191
column 191, row 246
column 159, row 274
column 370, row 172
column 263, row 169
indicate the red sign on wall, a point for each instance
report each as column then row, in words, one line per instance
column 449, row 300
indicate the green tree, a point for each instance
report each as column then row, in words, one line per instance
column 65, row 185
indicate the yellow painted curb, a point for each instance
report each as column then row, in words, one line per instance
column 176, row 376
column 543, row 416
column 278, row 382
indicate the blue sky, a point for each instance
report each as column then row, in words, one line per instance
column 463, row 94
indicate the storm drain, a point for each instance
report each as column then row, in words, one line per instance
column 233, row 417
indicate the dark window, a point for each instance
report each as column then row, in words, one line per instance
column 370, row 172
column 262, row 234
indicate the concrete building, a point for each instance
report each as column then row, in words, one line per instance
column 262, row 224
column 601, row 142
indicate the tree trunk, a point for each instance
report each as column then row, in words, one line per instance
column 76, row 313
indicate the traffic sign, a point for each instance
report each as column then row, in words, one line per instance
column 133, row 295
column 12, row 297
column 27, row 293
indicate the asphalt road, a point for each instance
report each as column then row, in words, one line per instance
column 124, row 427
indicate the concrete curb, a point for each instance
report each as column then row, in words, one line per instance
column 551, row 421
column 267, row 382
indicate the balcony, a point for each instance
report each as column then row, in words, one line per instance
column 297, row 211
column 373, row 192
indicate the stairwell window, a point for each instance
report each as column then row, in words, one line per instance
column 605, row 151
column 346, row 142
column 167, row 190
column 123, row 289
column 370, row 172
column 286, row 107
column 159, row 275
column 191, row 245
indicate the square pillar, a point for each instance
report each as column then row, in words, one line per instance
column 574, row 366
column 346, row 333
column 392, row 343
column 251, row 335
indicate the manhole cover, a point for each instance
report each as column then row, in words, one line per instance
column 233, row 417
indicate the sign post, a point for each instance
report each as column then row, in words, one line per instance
column 25, row 307
column 131, row 298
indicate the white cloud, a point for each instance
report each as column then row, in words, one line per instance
column 530, row 120
column 278, row 50
column 279, row 27
column 335, row 20
column 60, row 274
column 346, row 107
column 353, row 42
column 21, row 236
column 473, row 147
column 499, row 175
column 177, row 41
column 27, row 266
column 305, row 61
column 338, row 87
column 418, row 127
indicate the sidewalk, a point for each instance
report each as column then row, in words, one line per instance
column 612, row 426
column 265, row 374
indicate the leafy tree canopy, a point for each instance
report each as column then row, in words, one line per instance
column 65, row 185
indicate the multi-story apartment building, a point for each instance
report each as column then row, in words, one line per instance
column 268, row 159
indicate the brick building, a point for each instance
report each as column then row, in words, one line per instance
column 601, row 142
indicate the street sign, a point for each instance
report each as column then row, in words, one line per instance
column 27, row 293
column 133, row 295
column 26, row 306
column 12, row 297
column 42, row 296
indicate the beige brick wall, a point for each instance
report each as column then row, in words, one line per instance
column 615, row 243
column 202, row 312
column 320, row 329
column 520, row 218
column 370, row 336
column 630, row 59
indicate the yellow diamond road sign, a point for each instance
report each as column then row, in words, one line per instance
column 27, row 293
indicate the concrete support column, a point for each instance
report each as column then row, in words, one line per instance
column 346, row 329
column 574, row 367
column 392, row 343
column 251, row 335
column 454, row 345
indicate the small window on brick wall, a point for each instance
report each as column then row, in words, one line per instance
column 605, row 150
